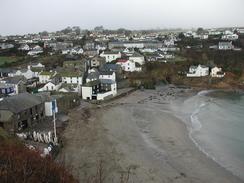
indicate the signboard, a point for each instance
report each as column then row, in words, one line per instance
column 54, row 106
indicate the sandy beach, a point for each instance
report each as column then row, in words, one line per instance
column 138, row 134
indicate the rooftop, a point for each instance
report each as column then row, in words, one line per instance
column 20, row 102
column 92, row 83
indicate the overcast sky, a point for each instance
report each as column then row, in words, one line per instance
column 30, row 16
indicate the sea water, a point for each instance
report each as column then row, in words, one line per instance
column 217, row 127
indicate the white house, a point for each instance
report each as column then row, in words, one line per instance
column 129, row 51
column 93, row 75
column 27, row 73
column 77, row 51
column 217, row 72
column 231, row 37
column 108, row 89
column 70, row 77
column 18, row 82
column 198, row 71
column 137, row 58
column 69, row 88
column 99, row 90
column 46, row 76
column 35, row 50
column 128, row 65
column 110, row 56
column 225, row 46
column 51, row 86
column 37, row 65
column 110, row 75
column 74, row 51
column 24, row 47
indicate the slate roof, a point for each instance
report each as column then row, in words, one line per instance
column 93, row 75
column 6, row 70
column 110, row 67
column 136, row 54
column 107, row 81
column 110, row 52
column 20, row 102
column 92, row 83
column 225, row 43
column 15, row 79
column 106, row 73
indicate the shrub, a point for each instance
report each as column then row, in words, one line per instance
column 19, row 164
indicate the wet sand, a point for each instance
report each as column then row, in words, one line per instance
column 139, row 133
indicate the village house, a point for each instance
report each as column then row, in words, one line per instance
column 198, row 71
column 217, row 72
column 69, row 88
column 71, row 77
column 128, row 65
column 27, row 73
column 21, row 111
column 4, row 72
column 110, row 56
column 46, row 76
column 107, row 75
column 36, row 68
column 89, row 45
column 135, row 44
column 37, row 65
column 96, row 61
column 101, row 47
column 169, row 49
column 231, row 37
column 148, row 50
column 128, row 51
column 137, row 58
column 58, row 46
column 225, row 46
column 89, row 90
column 93, row 74
column 99, row 90
column 114, row 68
column 7, row 89
column 117, row 49
column 18, row 82
column 74, row 51
column 91, row 53
column 53, row 85
column 35, row 50
column 5, row 46
column 74, row 64
column 24, row 47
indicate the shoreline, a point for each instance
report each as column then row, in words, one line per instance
column 210, row 94
column 140, row 131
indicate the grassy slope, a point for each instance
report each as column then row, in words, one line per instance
column 4, row 60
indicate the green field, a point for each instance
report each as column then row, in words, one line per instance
column 4, row 60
